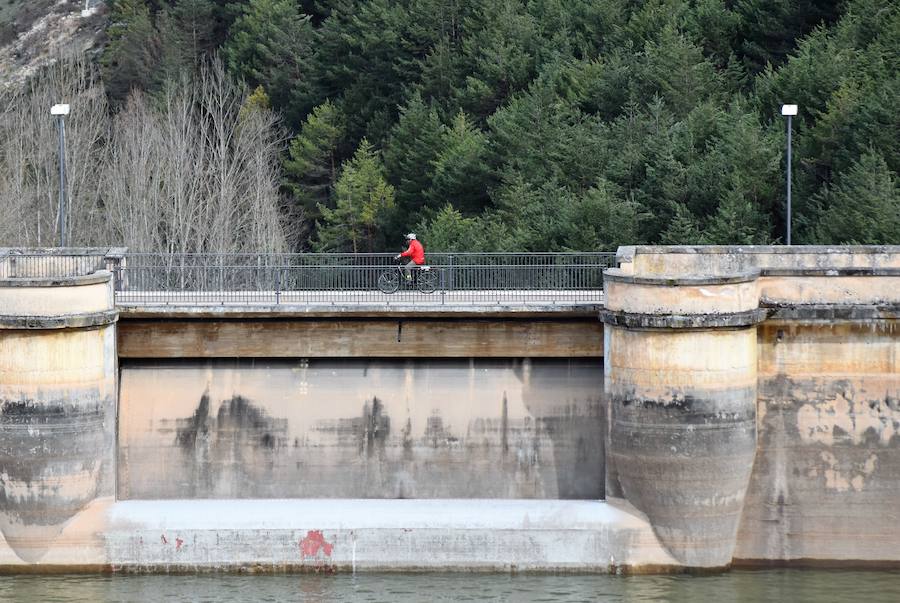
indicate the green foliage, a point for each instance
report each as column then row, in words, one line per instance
column 187, row 33
column 682, row 228
column 412, row 149
column 312, row 165
column 737, row 221
column 269, row 45
column 132, row 53
column 362, row 198
column 863, row 207
column 461, row 173
column 449, row 230
column 555, row 124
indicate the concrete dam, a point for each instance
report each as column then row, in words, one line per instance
column 715, row 407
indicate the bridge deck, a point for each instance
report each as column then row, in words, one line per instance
column 236, row 303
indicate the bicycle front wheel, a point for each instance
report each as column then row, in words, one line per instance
column 389, row 281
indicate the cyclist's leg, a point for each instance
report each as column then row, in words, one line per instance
column 407, row 270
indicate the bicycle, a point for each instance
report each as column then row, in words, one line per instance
column 424, row 278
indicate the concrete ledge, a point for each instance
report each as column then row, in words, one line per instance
column 95, row 278
column 766, row 249
column 355, row 535
column 634, row 320
column 379, row 535
column 831, row 313
column 326, row 310
column 618, row 276
column 67, row 321
column 861, row 271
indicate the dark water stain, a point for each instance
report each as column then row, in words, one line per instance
column 234, row 449
column 435, row 433
column 44, row 445
column 504, row 422
column 198, row 424
column 407, row 440
column 369, row 432
column 377, row 427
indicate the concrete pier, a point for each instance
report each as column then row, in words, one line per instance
column 57, row 404
column 681, row 389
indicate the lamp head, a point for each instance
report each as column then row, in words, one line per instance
column 789, row 109
column 59, row 110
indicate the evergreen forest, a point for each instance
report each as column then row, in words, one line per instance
column 536, row 125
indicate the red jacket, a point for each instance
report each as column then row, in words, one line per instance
column 415, row 251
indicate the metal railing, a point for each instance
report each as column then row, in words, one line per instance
column 315, row 278
column 48, row 263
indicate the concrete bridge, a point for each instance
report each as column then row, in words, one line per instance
column 697, row 407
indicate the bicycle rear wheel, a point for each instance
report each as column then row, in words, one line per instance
column 389, row 281
column 427, row 281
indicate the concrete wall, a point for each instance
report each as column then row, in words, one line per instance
column 57, row 405
column 353, row 428
column 826, row 480
column 825, row 366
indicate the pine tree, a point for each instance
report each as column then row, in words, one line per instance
column 863, row 207
column 737, row 221
column 269, row 45
column 410, row 155
column 449, row 230
column 312, row 164
column 196, row 24
column 683, row 229
column 461, row 173
column 363, row 197
column 132, row 54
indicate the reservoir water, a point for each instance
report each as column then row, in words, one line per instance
column 796, row 586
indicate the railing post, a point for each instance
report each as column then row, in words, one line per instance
column 277, row 285
column 450, row 273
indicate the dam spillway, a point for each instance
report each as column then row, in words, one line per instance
column 724, row 406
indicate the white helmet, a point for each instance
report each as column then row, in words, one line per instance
column 411, row 236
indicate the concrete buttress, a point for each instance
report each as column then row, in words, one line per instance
column 681, row 387
column 57, row 404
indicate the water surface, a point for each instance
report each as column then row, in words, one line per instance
column 797, row 586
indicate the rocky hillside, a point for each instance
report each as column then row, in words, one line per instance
column 34, row 33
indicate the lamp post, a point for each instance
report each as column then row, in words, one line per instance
column 788, row 111
column 60, row 111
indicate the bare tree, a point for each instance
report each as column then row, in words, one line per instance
column 195, row 173
column 29, row 176
column 195, row 170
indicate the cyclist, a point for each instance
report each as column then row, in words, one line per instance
column 416, row 254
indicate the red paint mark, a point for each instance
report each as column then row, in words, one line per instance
column 163, row 539
column 178, row 543
column 315, row 541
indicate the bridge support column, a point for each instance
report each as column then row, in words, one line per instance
column 57, row 404
column 681, row 385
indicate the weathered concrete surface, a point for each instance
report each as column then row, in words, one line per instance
column 827, row 470
column 355, row 428
column 356, row 535
column 878, row 287
column 687, row 295
column 361, row 338
column 57, row 414
column 681, row 388
column 712, row 260
column 42, row 298
column 683, row 433
column 826, row 481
